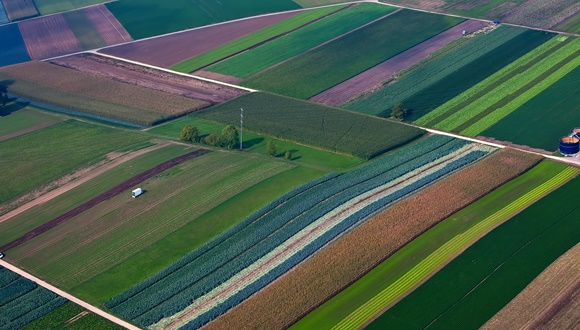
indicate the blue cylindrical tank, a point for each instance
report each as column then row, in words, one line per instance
column 569, row 145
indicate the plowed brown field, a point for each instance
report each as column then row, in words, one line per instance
column 48, row 36
column 108, row 26
column 171, row 49
column 150, row 78
column 19, row 9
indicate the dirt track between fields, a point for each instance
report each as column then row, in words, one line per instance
column 149, row 78
column 374, row 77
column 63, row 294
column 127, row 185
column 173, row 48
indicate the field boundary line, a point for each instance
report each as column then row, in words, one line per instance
column 65, row 295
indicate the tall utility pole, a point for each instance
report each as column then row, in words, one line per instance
column 241, row 127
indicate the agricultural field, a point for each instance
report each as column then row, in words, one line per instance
column 417, row 261
column 96, row 95
column 492, row 99
column 251, row 40
column 48, row 37
column 84, row 30
column 572, row 24
column 548, row 301
column 304, row 288
column 171, row 200
column 450, row 71
column 472, row 8
column 273, row 240
column 322, row 68
column 70, row 146
column 13, row 48
column 19, row 9
column 254, row 142
column 16, row 120
column 264, row 56
column 46, row 7
column 543, row 14
column 314, row 3
column 3, row 16
column 71, row 317
column 168, row 50
column 23, row 301
column 147, row 18
column 495, row 269
column 551, row 114
column 314, row 125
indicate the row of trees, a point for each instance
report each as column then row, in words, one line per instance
column 228, row 139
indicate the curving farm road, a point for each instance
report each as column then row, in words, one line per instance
column 63, row 294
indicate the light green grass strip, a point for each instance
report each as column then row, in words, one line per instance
column 502, row 112
column 252, row 39
column 504, row 90
column 441, row 256
column 524, row 60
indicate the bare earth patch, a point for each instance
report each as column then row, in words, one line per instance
column 49, row 36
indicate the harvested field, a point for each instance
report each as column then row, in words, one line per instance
column 338, row 265
column 108, row 26
column 490, row 9
column 143, row 105
column 19, row 9
column 549, row 302
column 166, row 51
column 375, row 77
column 48, row 37
column 149, row 78
column 123, row 187
column 543, row 13
column 13, row 49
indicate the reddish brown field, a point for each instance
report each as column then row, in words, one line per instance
column 108, row 26
column 171, row 49
column 18, row 9
column 149, row 78
column 48, row 36
column 374, row 77
column 331, row 270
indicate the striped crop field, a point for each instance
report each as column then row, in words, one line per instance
column 495, row 269
column 494, row 98
column 46, row 7
column 333, row 268
column 71, row 316
column 426, row 267
column 322, row 68
column 272, row 241
column 253, row 39
column 122, row 226
column 23, row 301
column 283, row 48
column 451, row 71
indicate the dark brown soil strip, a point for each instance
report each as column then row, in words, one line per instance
column 129, row 184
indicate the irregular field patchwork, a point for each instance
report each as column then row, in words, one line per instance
column 46, row 7
column 322, row 68
column 48, row 37
column 313, row 124
column 353, row 255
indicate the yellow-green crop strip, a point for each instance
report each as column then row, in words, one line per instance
column 441, row 256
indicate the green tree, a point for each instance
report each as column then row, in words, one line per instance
column 212, row 140
column 230, row 137
column 271, row 148
column 398, row 111
column 189, row 133
column 288, row 155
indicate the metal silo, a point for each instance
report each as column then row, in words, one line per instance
column 569, row 145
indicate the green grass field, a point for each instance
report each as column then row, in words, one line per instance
column 257, row 143
column 84, row 29
column 33, row 160
column 121, row 226
column 58, row 319
column 252, row 39
column 550, row 115
column 493, row 270
column 314, row 3
column 322, row 68
column 388, row 279
column 570, row 25
column 147, row 18
column 46, row 7
column 16, row 120
column 169, row 249
column 281, row 49
column 313, row 124
column 34, row 217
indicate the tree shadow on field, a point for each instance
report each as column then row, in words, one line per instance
column 12, row 107
column 250, row 143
